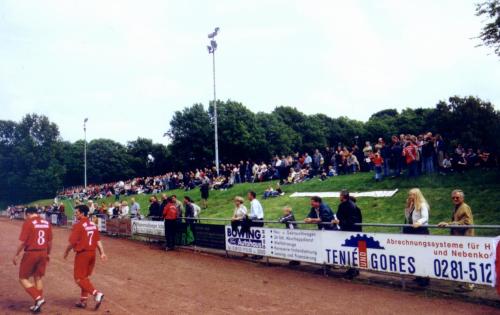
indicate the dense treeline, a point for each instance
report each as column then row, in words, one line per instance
column 35, row 162
column 243, row 134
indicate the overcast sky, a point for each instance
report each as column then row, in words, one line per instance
column 129, row 65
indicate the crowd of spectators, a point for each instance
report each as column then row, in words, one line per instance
column 18, row 212
column 404, row 154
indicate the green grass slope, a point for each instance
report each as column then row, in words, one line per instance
column 481, row 189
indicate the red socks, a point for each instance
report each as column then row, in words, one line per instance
column 34, row 293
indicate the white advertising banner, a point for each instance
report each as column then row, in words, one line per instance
column 294, row 244
column 101, row 224
column 465, row 259
column 148, row 227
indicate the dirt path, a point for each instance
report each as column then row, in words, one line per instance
column 139, row 280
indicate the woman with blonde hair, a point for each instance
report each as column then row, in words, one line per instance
column 124, row 209
column 417, row 215
column 240, row 212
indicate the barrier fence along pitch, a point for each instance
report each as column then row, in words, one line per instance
column 455, row 258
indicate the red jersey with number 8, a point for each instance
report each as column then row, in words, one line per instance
column 84, row 236
column 36, row 234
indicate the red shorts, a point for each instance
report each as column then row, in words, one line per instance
column 84, row 264
column 33, row 264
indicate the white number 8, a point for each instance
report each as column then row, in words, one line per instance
column 41, row 237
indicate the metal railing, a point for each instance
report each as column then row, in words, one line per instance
column 393, row 225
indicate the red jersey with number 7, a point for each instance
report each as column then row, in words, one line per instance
column 36, row 234
column 84, row 236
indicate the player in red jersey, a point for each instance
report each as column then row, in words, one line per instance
column 36, row 241
column 84, row 240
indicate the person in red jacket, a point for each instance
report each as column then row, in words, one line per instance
column 36, row 241
column 378, row 162
column 410, row 152
column 170, row 217
column 84, row 240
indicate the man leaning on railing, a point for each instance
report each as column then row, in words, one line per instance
column 320, row 214
column 462, row 215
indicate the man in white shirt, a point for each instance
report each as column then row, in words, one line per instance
column 256, row 210
column 256, row 214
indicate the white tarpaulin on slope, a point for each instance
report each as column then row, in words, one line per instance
column 336, row 194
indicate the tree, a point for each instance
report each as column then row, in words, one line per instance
column 490, row 33
column 386, row 112
column 147, row 158
column 278, row 137
column 29, row 166
column 468, row 120
column 191, row 131
column 239, row 134
column 71, row 157
column 107, row 161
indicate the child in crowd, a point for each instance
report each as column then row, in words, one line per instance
column 331, row 171
column 378, row 162
column 447, row 164
column 288, row 218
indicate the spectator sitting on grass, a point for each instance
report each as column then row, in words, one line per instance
column 292, row 176
column 270, row 192
column 446, row 164
column 331, row 171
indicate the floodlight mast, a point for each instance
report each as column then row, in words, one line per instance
column 211, row 50
column 85, row 153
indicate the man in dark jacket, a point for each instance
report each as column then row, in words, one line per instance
column 320, row 213
column 397, row 156
column 155, row 213
column 348, row 214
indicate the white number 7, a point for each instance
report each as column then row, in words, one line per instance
column 89, row 235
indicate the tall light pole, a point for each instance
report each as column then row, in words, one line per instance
column 85, row 152
column 211, row 50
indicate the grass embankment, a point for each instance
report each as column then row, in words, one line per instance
column 481, row 188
